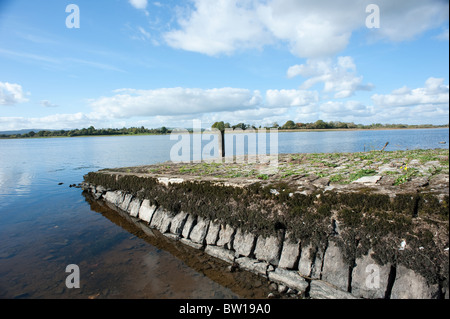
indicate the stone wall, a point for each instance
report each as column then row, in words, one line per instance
column 318, row 272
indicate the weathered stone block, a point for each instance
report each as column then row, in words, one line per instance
column 220, row 253
column 178, row 222
column 133, row 208
column 114, row 198
column 166, row 221
column 322, row 290
column 243, row 243
column 213, row 233
column 289, row 278
column 268, row 249
column 226, row 236
column 198, row 233
column 369, row 280
column 146, row 211
column 126, row 202
column 252, row 265
column 310, row 263
column 161, row 220
column 289, row 254
column 191, row 243
column 410, row 285
column 335, row 270
column 367, row 180
column 188, row 226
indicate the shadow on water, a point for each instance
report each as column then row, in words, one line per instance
column 240, row 284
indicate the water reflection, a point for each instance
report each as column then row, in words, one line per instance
column 175, row 270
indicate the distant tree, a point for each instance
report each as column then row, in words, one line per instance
column 319, row 124
column 242, row 126
column 289, row 125
column 164, row 130
column 220, row 126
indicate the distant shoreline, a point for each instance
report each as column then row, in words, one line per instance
column 243, row 131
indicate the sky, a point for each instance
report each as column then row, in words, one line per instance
column 132, row 63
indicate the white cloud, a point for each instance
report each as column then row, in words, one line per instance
column 287, row 98
column 47, row 103
column 216, row 27
column 435, row 92
column 139, row 4
column 333, row 110
column 339, row 78
column 174, row 101
column 312, row 29
column 55, row 121
column 11, row 94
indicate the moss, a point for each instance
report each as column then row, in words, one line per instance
column 366, row 220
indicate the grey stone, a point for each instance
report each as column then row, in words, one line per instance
column 321, row 182
column 146, row 211
column 322, row 290
column 367, row 180
column 188, row 226
column 369, row 280
column 243, row 243
column 113, row 197
column 226, row 235
column 282, row 289
column 410, row 285
column 268, row 249
column 198, row 233
column 305, row 262
column 310, row 263
column 126, row 202
column 289, row 254
column 133, row 208
column 335, row 270
column 166, row 221
column 100, row 189
column 213, row 233
column 191, row 243
column 161, row 220
column 220, row 253
column 252, row 265
column 289, row 278
column 316, row 267
column 178, row 222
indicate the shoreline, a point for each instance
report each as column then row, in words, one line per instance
column 302, row 228
column 235, row 132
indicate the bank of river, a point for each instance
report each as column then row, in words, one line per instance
column 313, row 223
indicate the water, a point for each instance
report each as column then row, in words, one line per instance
column 45, row 225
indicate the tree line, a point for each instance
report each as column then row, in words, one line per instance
column 289, row 125
column 91, row 131
column 321, row 125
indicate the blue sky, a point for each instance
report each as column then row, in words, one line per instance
column 166, row 63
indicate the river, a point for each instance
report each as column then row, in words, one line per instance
column 46, row 225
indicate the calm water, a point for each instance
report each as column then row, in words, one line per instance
column 46, row 225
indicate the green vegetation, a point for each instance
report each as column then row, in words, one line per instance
column 366, row 220
column 91, row 131
column 289, row 125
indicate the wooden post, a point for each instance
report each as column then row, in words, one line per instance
column 222, row 143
